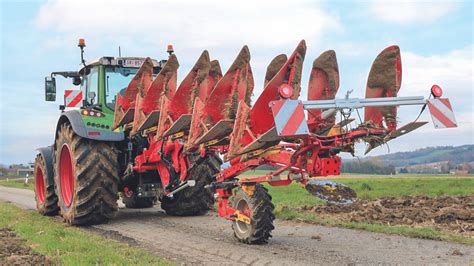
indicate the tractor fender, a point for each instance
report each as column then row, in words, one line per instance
column 74, row 118
column 47, row 154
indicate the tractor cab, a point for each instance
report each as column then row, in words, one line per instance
column 100, row 81
column 104, row 78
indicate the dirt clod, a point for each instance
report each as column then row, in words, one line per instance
column 13, row 251
column 456, row 252
column 447, row 212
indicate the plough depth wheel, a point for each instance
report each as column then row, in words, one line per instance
column 256, row 204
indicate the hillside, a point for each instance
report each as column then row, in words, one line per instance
column 430, row 160
column 455, row 155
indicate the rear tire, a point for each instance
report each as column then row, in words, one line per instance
column 259, row 208
column 132, row 201
column 46, row 198
column 196, row 200
column 87, row 177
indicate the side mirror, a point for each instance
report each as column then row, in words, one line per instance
column 50, row 89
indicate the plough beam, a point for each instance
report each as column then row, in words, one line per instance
column 353, row 103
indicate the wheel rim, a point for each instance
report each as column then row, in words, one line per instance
column 66, row 175
column 39, row 184
column 243, row 207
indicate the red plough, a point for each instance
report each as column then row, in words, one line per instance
column 211, row 115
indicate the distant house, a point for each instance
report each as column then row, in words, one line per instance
column 429, row 168
column 27, row 171
column 459, row 172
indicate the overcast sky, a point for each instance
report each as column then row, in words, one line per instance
column 37, row 37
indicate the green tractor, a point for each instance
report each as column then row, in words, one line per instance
column 82, row 174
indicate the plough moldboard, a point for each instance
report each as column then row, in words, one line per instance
column 210, row 113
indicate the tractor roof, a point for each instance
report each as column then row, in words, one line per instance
column 134, row 62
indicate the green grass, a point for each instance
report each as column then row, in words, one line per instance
column 396, row 187
column 69, row 245
column 18, row 183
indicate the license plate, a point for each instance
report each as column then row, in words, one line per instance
column 132, row 63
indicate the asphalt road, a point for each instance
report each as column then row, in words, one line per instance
column 208, row 240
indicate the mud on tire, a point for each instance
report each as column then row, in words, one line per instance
column 87, row 181
column 45, row 195
column 195, row 200
column 259, row 207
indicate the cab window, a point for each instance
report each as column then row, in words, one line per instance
column 116, row 81
column 92, row 86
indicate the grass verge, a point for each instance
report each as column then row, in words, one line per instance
column 18, row 183
column 70, row 245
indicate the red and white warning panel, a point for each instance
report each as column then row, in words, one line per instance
column 73, row 98
column 289, row 118
column 442, row 113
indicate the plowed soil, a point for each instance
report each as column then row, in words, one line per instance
column 450, row 213
column 13, row 251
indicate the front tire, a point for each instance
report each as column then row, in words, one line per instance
column 196, row 200
column 46, row 198
column 87, row 177
column 258, row 206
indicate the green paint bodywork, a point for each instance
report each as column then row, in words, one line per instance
column 108, row 118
